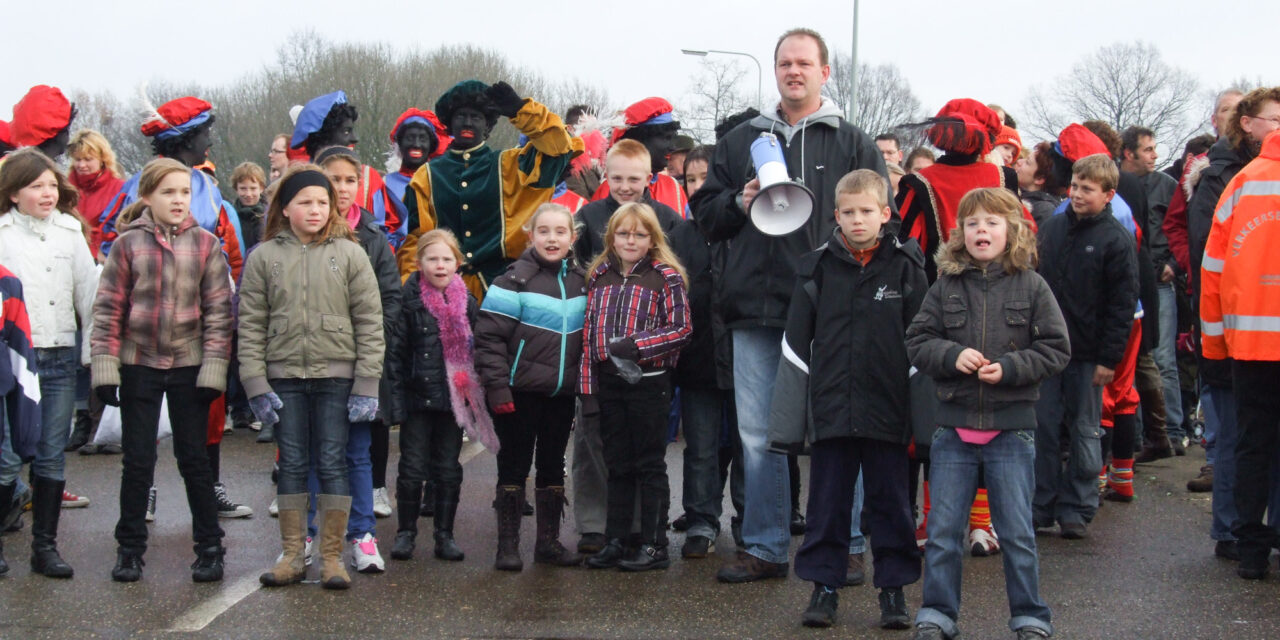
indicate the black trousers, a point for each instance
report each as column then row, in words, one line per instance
column 633, row 427
column 141, row 390
column 823, row 558
column 430, row 440
column 540, row 424
column 1258, row 417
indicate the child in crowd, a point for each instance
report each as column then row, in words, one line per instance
column 637, row 320
column 20, row 433
column 629, row 175
column 162, row 327
column 434, row 371
column 311, row 348
column 44, row 244
column 988, row 332
column 851, row 304
column 1089, row 261
column 249, row 181
column 528, row 344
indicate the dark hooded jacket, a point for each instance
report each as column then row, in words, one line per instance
column 373, row 240
column 418, row 373
column 594, row 218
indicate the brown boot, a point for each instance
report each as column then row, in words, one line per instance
column 333, row 531
column 1202, row 483
column 292, row 566
column 510, row 505
column 548, row 550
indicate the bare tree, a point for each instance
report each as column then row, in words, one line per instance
column 1122, row 84
column 714, row 94
column 883, row 100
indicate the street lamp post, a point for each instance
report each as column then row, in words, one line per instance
column 702, row 53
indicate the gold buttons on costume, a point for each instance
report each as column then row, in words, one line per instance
column 465, row 207
column 464, row 183
column 468, row 234
column 468, row 255
column 466, row 156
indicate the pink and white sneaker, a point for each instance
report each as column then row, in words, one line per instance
column 983, row 542
column 364, row 555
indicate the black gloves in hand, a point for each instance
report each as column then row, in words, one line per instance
column 505, row 99
column 109, row 394
column 206, row 394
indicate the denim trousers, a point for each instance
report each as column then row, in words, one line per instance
column 1067, row 492
column 1165, row 354
column 633, row 428
column 767, row 515
column 1008, row 463
column 857, row 541
column 360, row 478
column 58, row 368
column 313, row 424
column 141, row 391
column 701, row 411
column 1222, row 434
column 535, row 434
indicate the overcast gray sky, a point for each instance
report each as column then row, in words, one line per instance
column 992, row 50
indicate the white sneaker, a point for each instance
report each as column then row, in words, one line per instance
column 256, row 425
column 364, row 555
column 227, row 508
column 381, row 503
column 274, row 508
column 151, row 505
column 306, row 553
column 983, row 542
column 228, row 426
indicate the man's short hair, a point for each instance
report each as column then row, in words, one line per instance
column 890, row 136
column 1097, row 168
column 823, row 53
column 628, row 148
column 577, row 111
column 247, row 171
column 865, row 181
column 1132, row 137
column 1199, row 144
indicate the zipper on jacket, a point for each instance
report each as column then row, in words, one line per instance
column 306, row 329
column 564, row 326
column 511, row 382
column 983, row 342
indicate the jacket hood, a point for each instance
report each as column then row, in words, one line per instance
column 146, row 221
column 828, row 113
column 1224, row 154
column 888, row 242
column 1194, row 170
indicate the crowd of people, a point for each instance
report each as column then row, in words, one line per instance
column 974, row 341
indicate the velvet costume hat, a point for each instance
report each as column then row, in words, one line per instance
column 177, row 117
column 1076, row 142
column 311, row 118
column 468, row 93
column 649, row 112
column 964, row 126
column 39, row 116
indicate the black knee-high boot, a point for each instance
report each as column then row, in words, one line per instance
column 45, row 509
column 408, row 498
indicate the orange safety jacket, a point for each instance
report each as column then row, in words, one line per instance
column 1240, row 272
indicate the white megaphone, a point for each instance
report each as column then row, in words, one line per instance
column 783, row 205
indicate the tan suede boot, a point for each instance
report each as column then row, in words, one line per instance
column 333, row 531
column 292, row 566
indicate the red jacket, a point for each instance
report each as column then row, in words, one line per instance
column 96, row 192
column 1175, row 218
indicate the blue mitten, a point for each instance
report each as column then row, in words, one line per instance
column 362, row 409
column 264, row 408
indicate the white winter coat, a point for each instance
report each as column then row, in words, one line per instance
column 59, row 278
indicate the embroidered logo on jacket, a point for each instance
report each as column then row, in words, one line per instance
column 885, row 293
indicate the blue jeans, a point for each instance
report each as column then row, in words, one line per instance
column 1067, row 493
column 360, row 476
column 703, row 498
column 58, row 368
column 10, row 463
column 313, row 423
column 1222, row 434
column 1009, row 463
column 766, row 522
column 1165, row 355
column 857, row 541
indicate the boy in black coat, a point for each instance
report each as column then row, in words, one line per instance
column 842, row 385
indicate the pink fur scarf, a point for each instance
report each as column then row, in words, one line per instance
column 450, row 311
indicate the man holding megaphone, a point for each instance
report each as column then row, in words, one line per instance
column 806, row 149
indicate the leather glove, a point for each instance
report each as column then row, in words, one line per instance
column 109, row 394
column 505, row 99
column 362, row 409
column 205, row 394
column 628, row 370
column 506, row 407
column 264, row 408
column 590, row 406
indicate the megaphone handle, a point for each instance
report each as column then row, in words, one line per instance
column 749, row 192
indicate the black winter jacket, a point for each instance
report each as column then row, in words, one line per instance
column 1012, row 319
column 419, row 374
column 1131, row 189
column 594, row 218
column 844, row 370
column 1091, row 267
column 760, row 270
column 374, row 242
column 251, row 218
column 529, row 332
column 697, row 366
column 1042, row 205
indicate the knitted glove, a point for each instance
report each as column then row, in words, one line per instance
column 506, row 407
column 264, row 408
column 504, row 99
column 362, row 408
column 205, row 394
column 109, row 394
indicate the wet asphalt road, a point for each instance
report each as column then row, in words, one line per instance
column 1146, row 572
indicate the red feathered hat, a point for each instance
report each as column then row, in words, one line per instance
column 4, row 134
column 39, row 116
column 430, row 121
column 650, row 111
column 966, row 126
column 177, row 117
column 1076, row 142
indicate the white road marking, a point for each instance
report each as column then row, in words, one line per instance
column 198, row 617
column 469, row 451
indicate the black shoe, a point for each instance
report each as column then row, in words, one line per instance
column 591, row 543
column 697, row 547
column 1074, row 531
column 822, row 608
column 735, row 529
column 528, row 509
column 1253, row 566
column 797, row 523
column 608, row 557
column 681, row 523
column 893, row 609
column 79, row 432
column 647, row 558
column 402, row 549
column 446, row 548
column 208, row 564
column 1226, row 549
column 128, row 568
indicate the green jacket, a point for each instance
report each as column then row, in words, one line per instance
column 310, row 311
